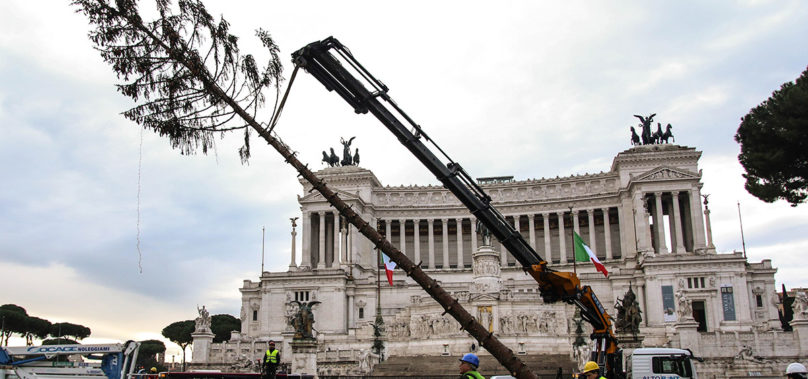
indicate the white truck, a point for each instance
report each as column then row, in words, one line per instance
column 100, row 361
column 660, row 363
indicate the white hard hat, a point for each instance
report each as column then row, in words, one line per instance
column 796, row 368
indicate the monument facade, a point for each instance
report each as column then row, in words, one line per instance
column 644, row 218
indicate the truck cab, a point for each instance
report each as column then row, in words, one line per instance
column 660, row 363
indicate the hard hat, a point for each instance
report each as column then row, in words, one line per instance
column 471, row 359
column 796, row 368
column 590, row 366
column 153, row 369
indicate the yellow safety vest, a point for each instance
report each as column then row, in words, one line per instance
column 473, row 374
column 272, row 356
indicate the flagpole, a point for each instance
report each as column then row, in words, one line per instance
column 572, row 238
column 740, row 220
column 378, row 282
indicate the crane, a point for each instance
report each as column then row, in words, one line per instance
column 335, row 67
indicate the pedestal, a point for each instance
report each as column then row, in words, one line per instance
column 629, row 341
column 202, row 342
column 486, row 267
column 689, row 338
column 800, row 330
column 304, row 357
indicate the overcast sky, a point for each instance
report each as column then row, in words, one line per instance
column 510, row 88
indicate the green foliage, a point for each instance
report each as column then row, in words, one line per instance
column 147, row 354
column 66, row 329
column 60, row 341
column 221, row 325
column 184, row 68
column 13, row 319
column 36, row 327
column 180, row 333
column 774, row 145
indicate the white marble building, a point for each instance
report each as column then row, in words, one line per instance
column 644, row 218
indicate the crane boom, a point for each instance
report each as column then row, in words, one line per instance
column 370, row 95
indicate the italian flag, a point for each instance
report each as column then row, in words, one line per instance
column 388, row 268
column 584, row 254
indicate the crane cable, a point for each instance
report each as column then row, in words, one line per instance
column 277, row 113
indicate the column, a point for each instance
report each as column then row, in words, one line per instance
column 547, row 249
column 677, row 221
column 531, row 224
column 387, row 232
column 351, row 318
column 562, row 239
column 416, row 238
column 293, row 264
column 641, row 300
column 305, row 259
column 335, row 251
column 697, row 221
column 349, row 245
column 459, row 222
column 590, row 213
column 517, row 226
column 344, row 239
column 575, row 226
column 402, row 234
column 607, row 233
column 473, row 222
column 662, row 247
column 710, row 246
column 641, row 227
column 321, row 255
column 445, row 232
column 431, row 231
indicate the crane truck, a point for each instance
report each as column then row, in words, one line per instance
column 114, row 361
column 335, row 67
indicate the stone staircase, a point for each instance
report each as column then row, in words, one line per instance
column 544, row 366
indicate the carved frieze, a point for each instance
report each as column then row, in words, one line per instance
column 542, row 323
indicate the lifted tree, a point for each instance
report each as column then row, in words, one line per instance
column 191, row 81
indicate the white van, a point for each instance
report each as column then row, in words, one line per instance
column 660, row 363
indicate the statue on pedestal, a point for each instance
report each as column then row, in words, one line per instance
column 303, row 320
column 203, row 321
column 684, row 307
column 484, row 233
column 629, row 315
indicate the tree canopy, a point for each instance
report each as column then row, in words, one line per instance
column 774, row 145
column 221, row 325
column 180, row 333
column 13, row 318
column 67, row 329
column 147, row 354
column 186, row 68
column 16, row 320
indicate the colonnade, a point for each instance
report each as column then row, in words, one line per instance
column 665, row 222
column 452, row 245
column 685, row 225
column 327, row 239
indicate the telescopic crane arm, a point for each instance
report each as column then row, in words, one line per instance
column 317, row 59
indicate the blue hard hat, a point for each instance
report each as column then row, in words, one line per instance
column 472, row 359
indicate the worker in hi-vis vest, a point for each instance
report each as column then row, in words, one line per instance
column 271, row 360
